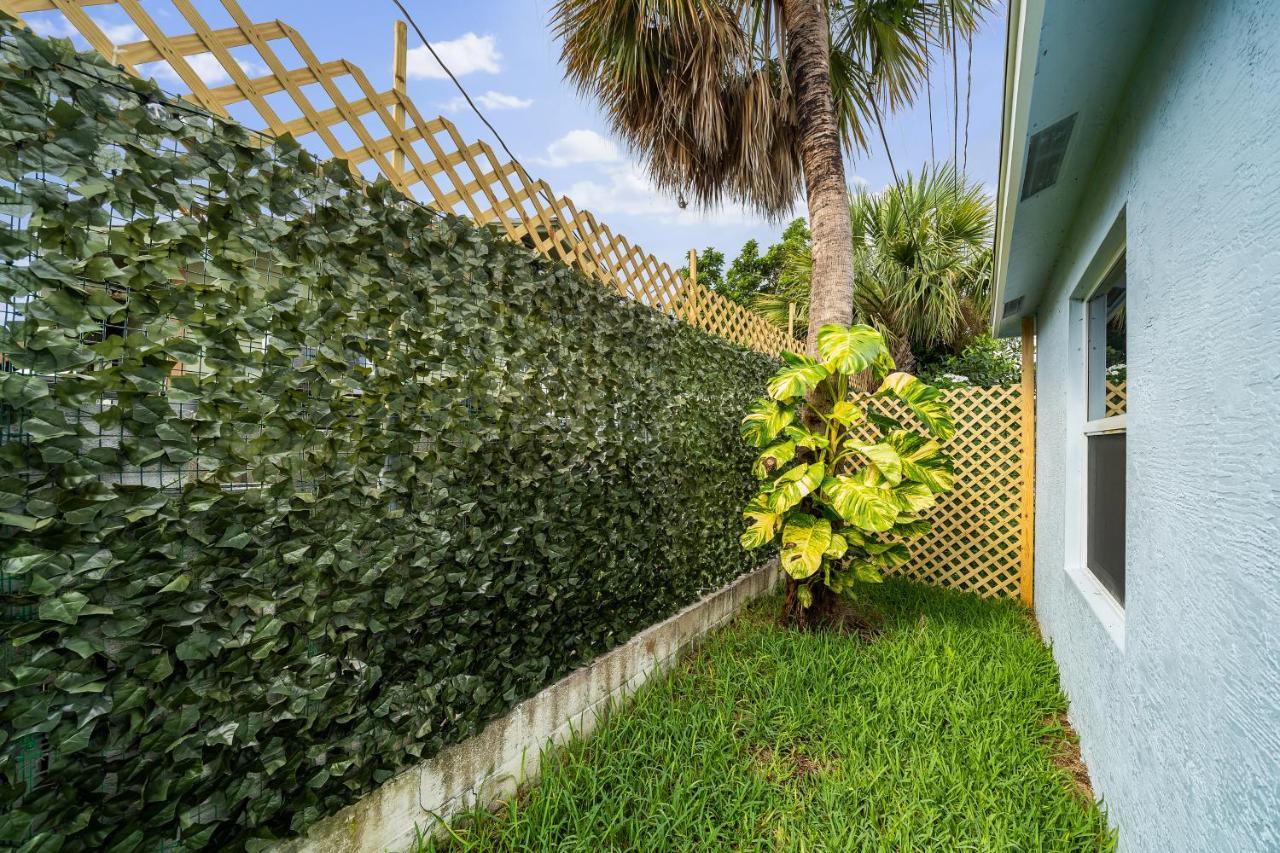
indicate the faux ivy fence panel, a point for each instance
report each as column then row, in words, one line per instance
column 299, row 480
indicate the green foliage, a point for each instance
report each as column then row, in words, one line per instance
column 710, row 269
column 408, row 473
column 839, row 499
column 985, row 362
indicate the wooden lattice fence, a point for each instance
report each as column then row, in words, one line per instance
column 977, row 538
column 424, row 157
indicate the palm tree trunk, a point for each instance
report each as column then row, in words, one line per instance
column 809, row 43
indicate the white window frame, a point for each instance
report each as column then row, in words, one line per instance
column 1106, row 608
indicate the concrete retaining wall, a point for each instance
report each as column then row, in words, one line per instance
column 492, row 765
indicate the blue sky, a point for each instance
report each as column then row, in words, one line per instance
column 507, row 59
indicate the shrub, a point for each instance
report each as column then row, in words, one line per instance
column 985, row 362
column 843, row 483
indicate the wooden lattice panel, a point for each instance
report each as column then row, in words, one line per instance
column 1117, row 398
column 976, row 539
column 425, row 158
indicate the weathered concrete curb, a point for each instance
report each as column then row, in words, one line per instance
column 493, row 764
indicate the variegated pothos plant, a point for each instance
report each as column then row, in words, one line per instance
column 844, row 484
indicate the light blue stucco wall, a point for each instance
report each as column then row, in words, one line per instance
column 1179, row 711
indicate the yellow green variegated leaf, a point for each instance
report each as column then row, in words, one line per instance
column 911, row 528
column 763, row 523
column 924, row 400
column 884, row 458
column 922, row 460
column 851, row 349
column 865, row 571
column 868, row 507
column 794, row 485
column 913, row 497
column 805, row 594
column 774, row 457
column 800, row 376
column 837, row 547
column 846, row 413
column 804, row 541
column 765, row 419
column 803, row 438
column 888, row 554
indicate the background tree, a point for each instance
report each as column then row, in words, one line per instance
column 753, row 100
column 922, row 265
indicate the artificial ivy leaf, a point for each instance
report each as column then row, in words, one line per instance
column 884, row 458
column 774, row 457
column 797, row 379
column 793, row 486
column 850, row 349
column 925, row 400
column 764, row 523
column 870, row 508
column 804, row 540
column 765, row 419
column 65, row 608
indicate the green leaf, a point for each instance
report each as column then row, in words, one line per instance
column 888, row 554
column 911, row 528
column 924, row 400
column 804, row 540
column 866, row 572
column 805, row 594
column 801, row 375
column 870, row 508
column 922, row 460
column 837, row 548
column 850, row 349
column 773, row 458
column 764, row 522
column 803, row 438
column 765, row 419
column 793, row 486
column 912, row 497
column 65, row 608
column 845, row 413
column 884, row 458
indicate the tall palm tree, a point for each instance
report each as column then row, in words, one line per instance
column 749, row 100
column 921, row 261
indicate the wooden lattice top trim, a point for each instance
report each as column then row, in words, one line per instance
column 423, row 157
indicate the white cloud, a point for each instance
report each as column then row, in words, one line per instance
column 206, row 66
column 580, row 146
column 50, row 26
column 490, row 100
column 466, row 54
column 626, row 190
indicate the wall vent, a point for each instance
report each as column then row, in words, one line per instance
column 1011, row 307
column 1045, row 153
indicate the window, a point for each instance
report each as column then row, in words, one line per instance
column 1105, row 426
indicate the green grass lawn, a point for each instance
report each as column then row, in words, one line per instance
column 943, row 733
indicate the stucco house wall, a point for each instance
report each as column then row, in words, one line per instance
column 1177, row 700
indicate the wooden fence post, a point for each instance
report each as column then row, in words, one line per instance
column 1026, row 573
column 399, row 83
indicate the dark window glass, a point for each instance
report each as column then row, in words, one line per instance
column 1106, row 511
